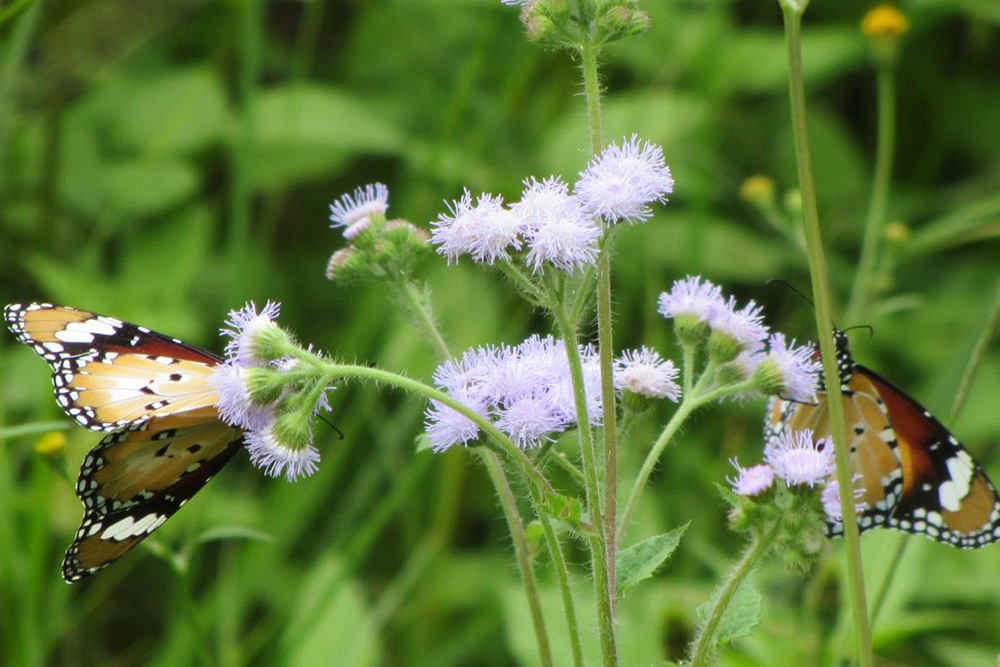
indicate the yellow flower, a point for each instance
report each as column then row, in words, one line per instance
column 757, row 189
column 897, row 232
column 51, row 443
column 884, row 21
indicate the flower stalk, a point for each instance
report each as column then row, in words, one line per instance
column 792, row 13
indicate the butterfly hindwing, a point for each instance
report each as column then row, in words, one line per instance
column 136, row 479
column 109, row 374
column 945, row 494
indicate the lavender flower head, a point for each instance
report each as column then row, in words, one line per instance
column 751, row 481
column 831, row 500
column 645, row 373
column 745, row 326
column 797, row 460
column 692, row 297
column 486, row 230
column 234, row 404
column 792, row 372
column 622, row 182
column 354, row 212
column 246, row 324
column 526, row 389
column 276, row 458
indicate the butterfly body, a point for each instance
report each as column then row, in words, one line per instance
column 910, row 472
column 153, row 397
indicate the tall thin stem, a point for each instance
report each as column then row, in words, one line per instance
column 824, row 322
column 885, row 142
column 588, row 448
column 592, row 91
column 521, row 551
column 423, row 314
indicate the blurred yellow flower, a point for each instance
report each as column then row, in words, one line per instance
column 51, row 443
column 884, row 21
column 757, row 189
column 897, row 232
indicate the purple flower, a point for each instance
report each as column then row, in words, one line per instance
column 246, row 324
column 529, row 420
column 353, row 212
column 831, row 500
column 694, row 297
column 645, row 373
column 446, row 426
column 745, row 326
column 795, row 371
column 234, row 404
column 797, row 460
column 751, row 481
column 485, row 230
column 621, row 182
column 276, row 458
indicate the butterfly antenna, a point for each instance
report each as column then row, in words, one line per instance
column 871, row 330
column 332, row 425
column 785, row 283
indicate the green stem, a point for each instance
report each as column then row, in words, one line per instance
column 241, row 191
column 592, row 91
column 421, row 313
column 33, row 428
column 562, row 574
column 588, row 449
column 877, row 209
column 705, row 643
column 521, row 551
column 523, row 282
column 824, row 323
column 978, row 352
column 530, row 470
column 683, row 411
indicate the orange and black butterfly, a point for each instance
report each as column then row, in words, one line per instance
column 152, row 395
column 911, row 473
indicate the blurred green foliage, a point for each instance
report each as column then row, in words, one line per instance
column 164, row 162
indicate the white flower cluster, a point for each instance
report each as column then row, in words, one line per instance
column 555, row 227
column 527, row 391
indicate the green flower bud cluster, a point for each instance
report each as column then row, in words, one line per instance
column 567, row 24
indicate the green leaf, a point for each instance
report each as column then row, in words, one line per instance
column 567, row 509
column 173, row 114
column 304, row 132
column 740, row 617
column 727, row 494
column 139, row 188
column 641, row 560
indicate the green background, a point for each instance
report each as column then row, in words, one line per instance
column 164, row 162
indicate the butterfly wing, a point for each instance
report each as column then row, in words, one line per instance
column 945, row 494
column 109, row 374
column 872, row 445
column 136, row 479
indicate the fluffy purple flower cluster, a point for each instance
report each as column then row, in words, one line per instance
column 796, row 460
column 553, row 226
column 527, row 391
column 780, row 366
column 268, row 447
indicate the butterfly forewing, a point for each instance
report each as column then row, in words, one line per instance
column 109, row 374
column 154, row 397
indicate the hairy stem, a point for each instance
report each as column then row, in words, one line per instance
column 509, row 505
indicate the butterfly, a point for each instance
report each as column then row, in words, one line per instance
column 910, row 472
column 153, row 397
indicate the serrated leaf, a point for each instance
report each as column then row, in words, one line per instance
column 641, row 560
column 423, row 443
column 740, row 617
column 567, row 509
column 727, row 494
